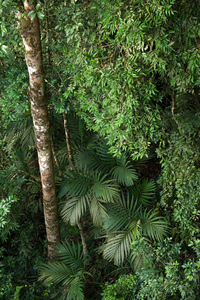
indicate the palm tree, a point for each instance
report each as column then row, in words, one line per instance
column 87, row 191
column 68, row 271
column 127, row 219
column 95, row 181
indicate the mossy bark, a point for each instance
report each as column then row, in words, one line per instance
column 29, row 30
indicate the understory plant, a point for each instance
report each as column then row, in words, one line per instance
column 104, row 192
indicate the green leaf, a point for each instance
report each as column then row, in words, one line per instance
column 74, row 209
column 40, row 15
column 117, row 247
column 32, row 14
column 70, row 254
column 144, row 191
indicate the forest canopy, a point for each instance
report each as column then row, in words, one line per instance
column 99, row 149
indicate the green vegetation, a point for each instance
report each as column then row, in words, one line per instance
column 122, row 92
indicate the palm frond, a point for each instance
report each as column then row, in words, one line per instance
column 56, row 272
column 115, row 221
column 76, row 184
column 68, row 272
column 124, row 173
column 23, row 159
column 104, row 154
column 144, row 191
column 88, row 159
column 74, row 209
column 71, row 279
column 79, row 136
column 126, row 221
column 121, row 213
column 20, row 133
column 117, row 247
column 96, row 210
column 76, row 288
column 101, row 160
column 153, row 225
column 70, row 254
column 104, row 189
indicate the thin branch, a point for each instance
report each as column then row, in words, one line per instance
column 173, row 103
column 67, row 139
column 28, row 175
column 82, row 234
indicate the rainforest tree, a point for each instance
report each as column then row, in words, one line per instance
column 29, row 29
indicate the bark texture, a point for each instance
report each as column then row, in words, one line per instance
column 29, row 30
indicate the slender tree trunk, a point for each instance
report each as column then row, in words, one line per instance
column 29, row 30
column 67, row 139
column 80, row 227
column 83, row 240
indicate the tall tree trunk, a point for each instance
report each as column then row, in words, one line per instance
column 29, row 30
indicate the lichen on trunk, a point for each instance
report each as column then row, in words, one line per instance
column 30, row 33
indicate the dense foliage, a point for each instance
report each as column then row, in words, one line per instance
column 125, row 74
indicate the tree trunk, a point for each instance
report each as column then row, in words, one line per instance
column 29, row 30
